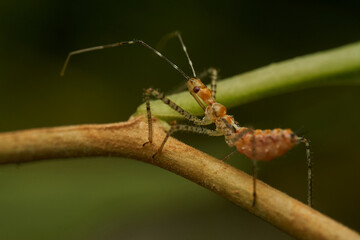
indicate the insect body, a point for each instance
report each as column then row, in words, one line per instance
column 257, row 145
column 263, row 145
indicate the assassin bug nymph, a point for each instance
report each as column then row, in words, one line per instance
column 257, row 145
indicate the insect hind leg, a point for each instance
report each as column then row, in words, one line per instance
column 254, row 181
column 309, row 165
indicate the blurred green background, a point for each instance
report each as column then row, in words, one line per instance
column 114, row 198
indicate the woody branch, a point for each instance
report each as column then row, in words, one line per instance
column 125, row 139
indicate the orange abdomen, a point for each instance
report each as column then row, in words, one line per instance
column 265, row 145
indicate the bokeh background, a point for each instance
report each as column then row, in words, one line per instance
column 114, row 198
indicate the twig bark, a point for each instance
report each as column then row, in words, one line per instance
column 125, row 140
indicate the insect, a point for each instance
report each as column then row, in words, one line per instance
column 257, row 145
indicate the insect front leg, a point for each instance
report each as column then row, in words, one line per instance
column 150, row 92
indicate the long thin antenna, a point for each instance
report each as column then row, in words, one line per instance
column 117, row 45
column 186, row 53
column 177, row 34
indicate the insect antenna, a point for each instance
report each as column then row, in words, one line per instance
column 135, row 41
column 186, row 53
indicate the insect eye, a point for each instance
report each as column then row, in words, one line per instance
column 196, row 89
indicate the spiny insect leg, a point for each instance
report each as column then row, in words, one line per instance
column 148, row 110
column 254, row 181
column 214, row 77
column 158, row 95
column 227, row 157
column 309, row 165
column 187, row 128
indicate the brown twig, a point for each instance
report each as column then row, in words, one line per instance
column 125, row 140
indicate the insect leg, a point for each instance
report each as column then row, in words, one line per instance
column 187, row 128
column 309, row 163
column 254, row 181
column 150, row 92
column 229, row 155
column 148, row 111
column 213, row 73
column 253, row 168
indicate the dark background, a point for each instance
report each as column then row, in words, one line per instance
column 113, row 198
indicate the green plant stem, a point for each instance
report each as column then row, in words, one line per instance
column 339, row 66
